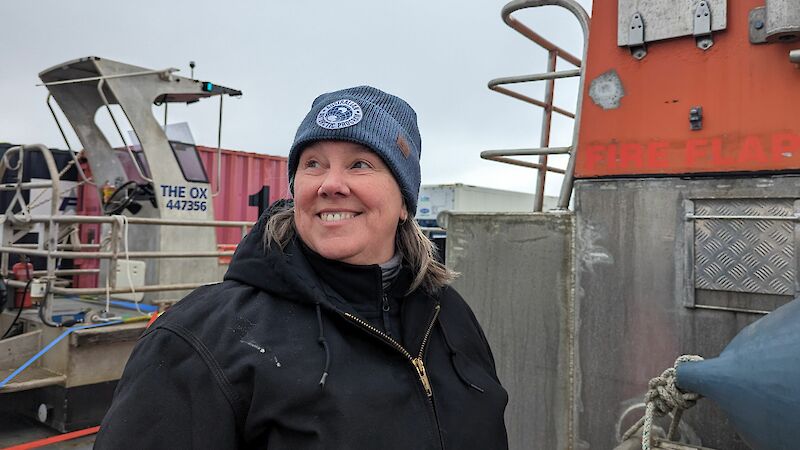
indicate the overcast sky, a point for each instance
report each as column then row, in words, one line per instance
column 436, row 54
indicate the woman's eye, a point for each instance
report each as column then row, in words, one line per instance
column 311, row 163
column 361, row 165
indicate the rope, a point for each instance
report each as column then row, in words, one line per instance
column 664, row 397
column 123, row 221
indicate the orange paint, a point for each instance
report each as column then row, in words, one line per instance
column 748, row 93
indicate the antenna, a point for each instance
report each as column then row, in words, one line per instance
column 191, row 67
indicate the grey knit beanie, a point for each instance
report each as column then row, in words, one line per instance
column 368, row 116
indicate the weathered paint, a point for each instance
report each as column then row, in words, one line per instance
column 748, row 94
column 776, row 151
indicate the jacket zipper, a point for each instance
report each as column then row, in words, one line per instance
column 385, row 307
column 416, row 362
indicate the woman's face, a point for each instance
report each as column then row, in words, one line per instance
column 347, row 203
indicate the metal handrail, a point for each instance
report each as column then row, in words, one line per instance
column 532, row 35
column 66, row 141
column 529, row 151
column 219, row 150
column 135, row 161
column 536, row 77
column 554, row 52
column 163, row 72
column 99, row 291
column 53, row 252
column 497, row 86
column 795, row 218
column 52, row 169
column 143, row 221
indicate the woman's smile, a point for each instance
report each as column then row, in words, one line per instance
column 336, row 216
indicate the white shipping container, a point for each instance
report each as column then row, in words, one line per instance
column 435, row 198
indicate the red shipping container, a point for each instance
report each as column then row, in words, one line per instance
column 243, row 174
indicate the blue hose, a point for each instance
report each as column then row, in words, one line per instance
column 51, row 345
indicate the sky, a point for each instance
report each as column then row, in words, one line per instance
column 437, row 55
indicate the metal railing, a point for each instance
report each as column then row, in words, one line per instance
column 554, row 52
column 17, row 225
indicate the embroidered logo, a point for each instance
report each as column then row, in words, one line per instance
column 403, row 145
column 340, row 114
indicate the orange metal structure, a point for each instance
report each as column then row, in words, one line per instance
column 749, row 96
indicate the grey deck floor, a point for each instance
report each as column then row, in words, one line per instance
column 16, row 429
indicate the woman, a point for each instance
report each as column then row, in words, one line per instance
column 335, row 326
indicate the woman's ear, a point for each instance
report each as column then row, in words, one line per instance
column 404, row 212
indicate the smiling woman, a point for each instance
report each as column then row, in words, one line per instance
column 347, row 204
column 335, row 326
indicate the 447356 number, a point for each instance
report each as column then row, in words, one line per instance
column 187, row 205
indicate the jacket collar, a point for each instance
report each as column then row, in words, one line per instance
column 299, row 274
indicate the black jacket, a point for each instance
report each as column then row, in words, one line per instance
column 275, row 357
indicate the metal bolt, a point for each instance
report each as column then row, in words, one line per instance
column 758, row 24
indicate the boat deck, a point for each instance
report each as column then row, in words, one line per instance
column 16, row 429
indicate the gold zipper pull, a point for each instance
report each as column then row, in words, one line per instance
column 423, row 376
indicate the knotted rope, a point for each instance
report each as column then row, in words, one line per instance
column 664, row 397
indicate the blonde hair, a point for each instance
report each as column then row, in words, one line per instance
column 410, row 241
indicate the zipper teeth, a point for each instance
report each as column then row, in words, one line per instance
column 428, row 331
column 383, row 335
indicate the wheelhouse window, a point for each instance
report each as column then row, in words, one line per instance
column 189, row 161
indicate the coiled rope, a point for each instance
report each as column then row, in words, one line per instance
column 664, row 397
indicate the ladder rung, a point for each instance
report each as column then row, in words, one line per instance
column 527, row 152
column 535, row 77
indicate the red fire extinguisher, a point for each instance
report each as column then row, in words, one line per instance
column 22, row 271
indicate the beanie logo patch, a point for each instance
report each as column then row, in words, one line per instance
column 403, row 145
column 340, row 114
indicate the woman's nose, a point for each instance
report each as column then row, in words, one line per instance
column 334, row 184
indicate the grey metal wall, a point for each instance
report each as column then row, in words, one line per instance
column 516, row 274
column 643, row 289
column 582, row 311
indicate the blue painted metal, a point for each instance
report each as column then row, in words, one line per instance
column 756, row 380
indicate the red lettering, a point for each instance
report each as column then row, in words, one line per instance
column 785, row 146
column 752, row 151
column 696, row 152
column 719, row 157
column 596, row 156
column 613, row 157
column 630, row 155
column 657, row 155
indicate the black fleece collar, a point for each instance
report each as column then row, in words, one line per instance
column 359, row 285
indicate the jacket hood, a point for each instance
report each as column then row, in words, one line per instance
column 282, row 272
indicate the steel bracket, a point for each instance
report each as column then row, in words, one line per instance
column 636, row 36
column 702, row 26
column 778, row 21
column 757, row 21
column 696, row 118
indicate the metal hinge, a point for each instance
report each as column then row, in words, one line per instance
column 702, row 26
column 636, row 37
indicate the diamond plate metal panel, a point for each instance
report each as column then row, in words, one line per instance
column 745, row 255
